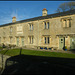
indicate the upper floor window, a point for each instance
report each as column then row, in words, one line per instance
column 46, row 25
column 30, row 26
column 66, row 22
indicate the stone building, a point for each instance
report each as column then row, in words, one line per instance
column 54, row 30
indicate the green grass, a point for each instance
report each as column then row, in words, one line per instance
column 14, row 52
column 1, row 47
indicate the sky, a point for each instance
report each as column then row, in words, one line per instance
column 25, row 9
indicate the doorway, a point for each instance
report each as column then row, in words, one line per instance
column 72, row 43
column 17, row 41
column 61, row 42
column 22, row 41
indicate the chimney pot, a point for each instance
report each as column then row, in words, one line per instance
column 14, row 19
column 44, row 12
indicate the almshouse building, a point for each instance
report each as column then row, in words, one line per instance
column 54, row 30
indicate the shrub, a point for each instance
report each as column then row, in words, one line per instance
column 65, row 47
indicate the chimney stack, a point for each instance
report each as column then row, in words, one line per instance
column 44, row 12
column 14, row 19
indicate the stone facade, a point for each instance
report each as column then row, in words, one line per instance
column 55, row 32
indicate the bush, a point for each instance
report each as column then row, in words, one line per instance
column 3, row 45
column 41, row 47
column 65, row 47
column 45, row 47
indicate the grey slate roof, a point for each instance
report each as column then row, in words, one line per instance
column 43, row 17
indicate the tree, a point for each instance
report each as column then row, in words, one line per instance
column 66, row 6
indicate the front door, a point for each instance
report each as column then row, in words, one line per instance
column 22, row 41
column 17, row 41
column 72, row 43
column 61, row 42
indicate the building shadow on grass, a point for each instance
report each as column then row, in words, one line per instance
column 29, row 64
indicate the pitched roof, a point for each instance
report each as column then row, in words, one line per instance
column 43, row 17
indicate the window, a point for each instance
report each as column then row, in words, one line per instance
column 46, row 25
column 31, row 39
column 46, row 40
column 30, row 26
column 66, row 22
column 69, row 23
column 61, row 39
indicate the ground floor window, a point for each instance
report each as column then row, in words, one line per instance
column 46, row 39
column 31, row 39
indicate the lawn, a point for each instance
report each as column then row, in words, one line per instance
column 14, row 52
